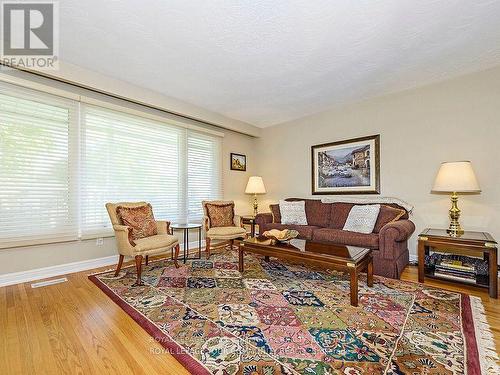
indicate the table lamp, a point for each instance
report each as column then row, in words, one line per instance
column 456, row 177
column 255, row 186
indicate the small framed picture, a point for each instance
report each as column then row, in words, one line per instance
column 238, row 162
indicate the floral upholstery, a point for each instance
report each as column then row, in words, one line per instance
column 220, row 215
column 140, row 219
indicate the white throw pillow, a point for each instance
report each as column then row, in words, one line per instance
column 362, row 218
column 293, row 212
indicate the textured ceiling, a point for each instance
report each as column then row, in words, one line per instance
column 266, row 62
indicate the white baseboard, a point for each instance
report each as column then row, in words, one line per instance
column 63, row 269
column 60, row 269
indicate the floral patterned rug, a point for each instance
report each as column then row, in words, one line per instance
column 284, row 318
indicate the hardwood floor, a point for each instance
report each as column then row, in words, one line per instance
column 74, row 328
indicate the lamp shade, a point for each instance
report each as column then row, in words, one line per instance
column 456, row 176
column 255, row 185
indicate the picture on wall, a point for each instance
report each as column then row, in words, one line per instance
column 238, row 162
column 347, row 167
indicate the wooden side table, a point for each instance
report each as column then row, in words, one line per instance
column 249, row 220
column 470, row 243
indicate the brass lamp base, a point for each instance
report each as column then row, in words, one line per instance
column 255, row 205
column 454, row 230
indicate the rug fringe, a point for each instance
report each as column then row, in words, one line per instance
column 488, row 356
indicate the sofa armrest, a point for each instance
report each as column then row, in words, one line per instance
column 398, row 231
column 263, row 218
column 163, row 227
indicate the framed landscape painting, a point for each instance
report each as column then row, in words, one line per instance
column 347, row 167
column 238, row 162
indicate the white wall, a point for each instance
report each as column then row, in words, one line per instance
column 452, row 120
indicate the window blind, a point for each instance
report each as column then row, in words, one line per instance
column 204, row 171
column 62, row 160
column 37, row 195
column 128, row 158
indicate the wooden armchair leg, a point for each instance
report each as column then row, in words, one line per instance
column 207, row 248
column 177, row 249
column 119, row 266
column 231, row 244
column 138, row 267
column 147, row 259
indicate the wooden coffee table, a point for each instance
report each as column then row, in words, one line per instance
column 338, row 257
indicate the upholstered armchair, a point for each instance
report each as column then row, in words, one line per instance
column 140, row 248
column 221, row 225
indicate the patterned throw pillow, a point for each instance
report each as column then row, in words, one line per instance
column 220, row 215
column 362, row 218
column 293, row 212
column 140, row 219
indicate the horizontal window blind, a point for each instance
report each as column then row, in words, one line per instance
column 62, row 160
column 204, row 171
column 128, row 158
column 37, row 169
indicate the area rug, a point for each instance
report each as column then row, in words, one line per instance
column 286, row 318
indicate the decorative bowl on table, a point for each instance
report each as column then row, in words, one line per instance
column 284, row 235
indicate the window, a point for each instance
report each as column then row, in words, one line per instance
column 57, row 172
column 204, row 172
column 37, row 198
column 128, row 158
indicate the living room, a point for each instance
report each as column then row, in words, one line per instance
column 267, row 193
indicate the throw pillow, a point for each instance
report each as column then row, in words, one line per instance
column 387, row 215
column 275, row 210
column 140, row 219
column 362, row 218
column 220, row 215
column 293, row 212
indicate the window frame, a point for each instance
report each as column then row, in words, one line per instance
column 75, row 152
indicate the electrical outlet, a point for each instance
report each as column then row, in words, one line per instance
column 99, row 241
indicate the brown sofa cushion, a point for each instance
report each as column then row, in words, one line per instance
column 305, row 231
column 339, row 214
column 387, row 215
column 344, row 237
column 318, row 213
column 220, row 215
column 140, row 219
column 275, row 210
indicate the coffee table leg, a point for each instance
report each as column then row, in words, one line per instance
column 240, row 258
column 369, row 273
column 354, row 287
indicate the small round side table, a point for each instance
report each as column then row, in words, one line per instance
column 185, row 227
